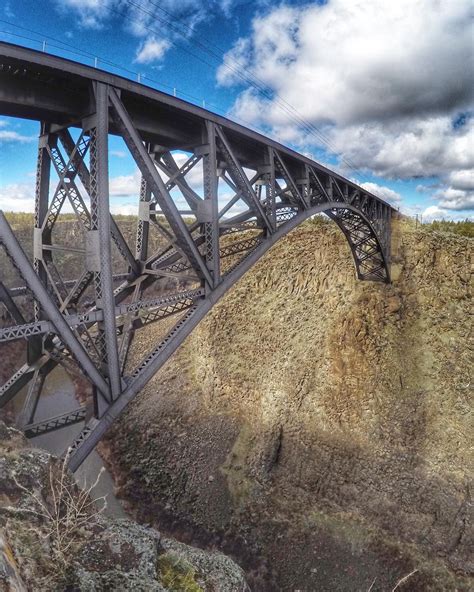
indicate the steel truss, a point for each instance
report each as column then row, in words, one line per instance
column 208, row 234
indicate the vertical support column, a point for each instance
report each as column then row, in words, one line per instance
column 143, row 227
column 329, row 189
column 43, row 174
column 271, row 189
column 52, row 312
column 141, row 253
column 304, row 186
column 101, row 237
column 387, row 232
column 209, row 214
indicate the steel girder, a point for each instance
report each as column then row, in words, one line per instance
column 206, row 212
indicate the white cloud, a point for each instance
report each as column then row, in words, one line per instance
column 436, row 213
column 195, row 175
column 10, row 136
column 129, row 209
column 17, row 197
column 462, row 179
column 390, row 85
column 143, row 17
column 91, row 13
column 455, row 199
column 457, row 193
column 349, row 62
column 118, row 153
column 414, row 147
column 152, row 50
column 125, row 185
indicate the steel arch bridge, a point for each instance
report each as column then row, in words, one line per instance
column 214, row 197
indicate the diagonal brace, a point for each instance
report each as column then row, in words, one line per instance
column 157, row 186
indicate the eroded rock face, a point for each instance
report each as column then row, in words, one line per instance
column 317, row 426
column 96, row 554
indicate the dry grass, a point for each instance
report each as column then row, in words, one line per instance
column 66, row 511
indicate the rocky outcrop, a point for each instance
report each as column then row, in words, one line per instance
column 315, row 426
column 52, row 537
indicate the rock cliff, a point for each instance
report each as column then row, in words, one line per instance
column 315, row 426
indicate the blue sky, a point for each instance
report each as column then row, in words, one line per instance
column 381, row 91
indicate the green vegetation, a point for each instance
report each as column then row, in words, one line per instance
column 17, row 218
column 177, row 574
column 463, row 228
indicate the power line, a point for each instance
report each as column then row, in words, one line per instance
column 240, row 71
column 259, row 85
column 72, row 49
column 261, row 88
column 236, row 70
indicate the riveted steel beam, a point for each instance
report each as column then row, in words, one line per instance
column 208, row 212
column 95, row 430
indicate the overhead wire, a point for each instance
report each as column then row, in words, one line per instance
column 237, row 70
column 241, row 72
column 254, row 81
column 74, row 50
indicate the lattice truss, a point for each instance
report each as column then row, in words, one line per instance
column 87, row 285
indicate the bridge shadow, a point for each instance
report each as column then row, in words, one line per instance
column 308, row 441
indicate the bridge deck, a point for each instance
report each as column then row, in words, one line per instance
column 39, row 86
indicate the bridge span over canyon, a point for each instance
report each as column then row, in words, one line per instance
column 252, row 192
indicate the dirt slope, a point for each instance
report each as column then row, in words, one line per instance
column 318, row 427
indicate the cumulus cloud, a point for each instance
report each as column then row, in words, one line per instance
column 413, row 147
column 140, row 16
column 125, row 185
column 387, row 86
column 462, row 179
column 436, row 213
column 151, row 50
column 157, row 23
column 455, row 199
column 349, row 62
column 91, row 13
column 17, row 197
column 9, row 135
column 12, row 136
